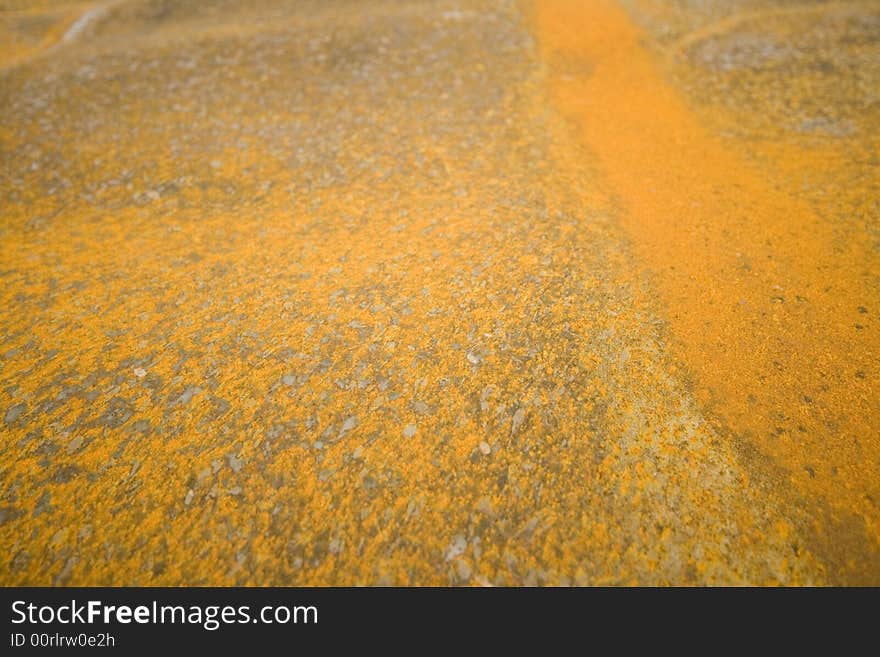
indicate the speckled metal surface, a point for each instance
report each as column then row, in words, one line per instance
column 385, row 293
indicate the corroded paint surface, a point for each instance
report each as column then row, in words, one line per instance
column 348, row 293
column 769, row 275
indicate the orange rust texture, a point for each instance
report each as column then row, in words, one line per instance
column 327, row 293
column 772, row 303
column 27, row 29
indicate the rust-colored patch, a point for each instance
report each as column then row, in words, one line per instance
column 325, row 293
column 773, row 312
